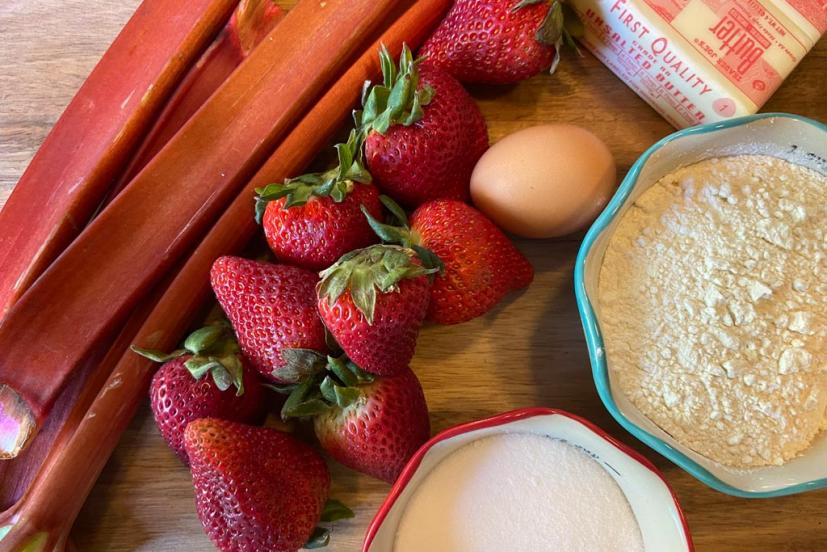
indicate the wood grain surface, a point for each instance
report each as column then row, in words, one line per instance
column 528, row 351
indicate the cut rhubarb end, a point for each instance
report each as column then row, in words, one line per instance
column 17, row 423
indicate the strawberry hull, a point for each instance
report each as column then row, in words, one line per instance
column 434, row 157
column 316, row 234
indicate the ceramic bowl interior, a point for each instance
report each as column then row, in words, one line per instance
column 790, row 137
column 660, row 518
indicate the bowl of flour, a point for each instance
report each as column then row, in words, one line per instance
column 703, row 293
column 530, row 479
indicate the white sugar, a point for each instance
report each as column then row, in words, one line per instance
column 518, row 491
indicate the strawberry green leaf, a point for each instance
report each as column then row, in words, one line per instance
column 339, row 395
column 386, row 232
column 231, row 365
column 199, row 366
column 214, row 350
column 221, row 377
column 429, row 258
column 340, row 369
column 318, row 539
column 158, row 356
column 203, row 339
column 395, row 210
column 281, row 389
column 335, row 510
column 335, row 183
column 398, row 100
column 327, row 391
column 305, row 400
column 388, row 66
column 300, row 364
column 307, row 409
column 361, row 375
column 363, row 293
column 365, row 271
column 333, row 286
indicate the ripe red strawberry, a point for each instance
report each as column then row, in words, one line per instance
column 369, row 423
column 496, row 41
column 480, row 264
column 272, row 308
column 256, row 488
column 379, row 431
column 205, row 379
column 424, row 132
column 373, row 301
column 312, row 220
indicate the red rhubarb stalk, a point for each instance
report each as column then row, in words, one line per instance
column 109, row 268
column 74, row 468
column 91, row 142
column 250, row 23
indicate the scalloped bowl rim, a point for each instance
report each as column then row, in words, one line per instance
column 594, row 338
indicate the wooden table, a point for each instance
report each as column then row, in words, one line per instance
column 528, row 351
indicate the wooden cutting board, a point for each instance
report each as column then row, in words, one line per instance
column 528, row 351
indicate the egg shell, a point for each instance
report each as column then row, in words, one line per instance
column 544, row 181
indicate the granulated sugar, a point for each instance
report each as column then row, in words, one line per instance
column 713, row 307
column 518, row 491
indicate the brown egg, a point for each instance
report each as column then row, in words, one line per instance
column 544, row 181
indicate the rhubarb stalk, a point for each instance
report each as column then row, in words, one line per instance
column 251, row 22
column 75, row 467
column 98, row 131
column 104, row 273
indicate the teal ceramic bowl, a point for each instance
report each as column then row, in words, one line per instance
column 790, row 137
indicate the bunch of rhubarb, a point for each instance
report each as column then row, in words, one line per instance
column 249, row 23
column 70, row 469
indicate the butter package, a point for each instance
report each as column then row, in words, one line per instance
column 701, row 61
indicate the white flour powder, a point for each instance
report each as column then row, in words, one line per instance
column 713, row 306
column 518, row 491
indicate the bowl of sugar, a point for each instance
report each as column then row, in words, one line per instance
column 530, row 479
column 702, row 289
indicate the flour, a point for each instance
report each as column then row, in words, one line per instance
column 713, row 306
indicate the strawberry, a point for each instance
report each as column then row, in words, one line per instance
column 312, row 220
column 256, row 488
column 373, row 301
column 497, row 41
column 479, row 263
column 195, row 382
column 368, row 423
column 271, row 307
column 424, row 133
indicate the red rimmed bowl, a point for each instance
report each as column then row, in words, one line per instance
column 661, row 520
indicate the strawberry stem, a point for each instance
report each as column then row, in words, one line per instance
column 364, row 272
column 402, row 234
column 214, row 351
column 398, row 100
column 335, row 386
column 335, row 183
